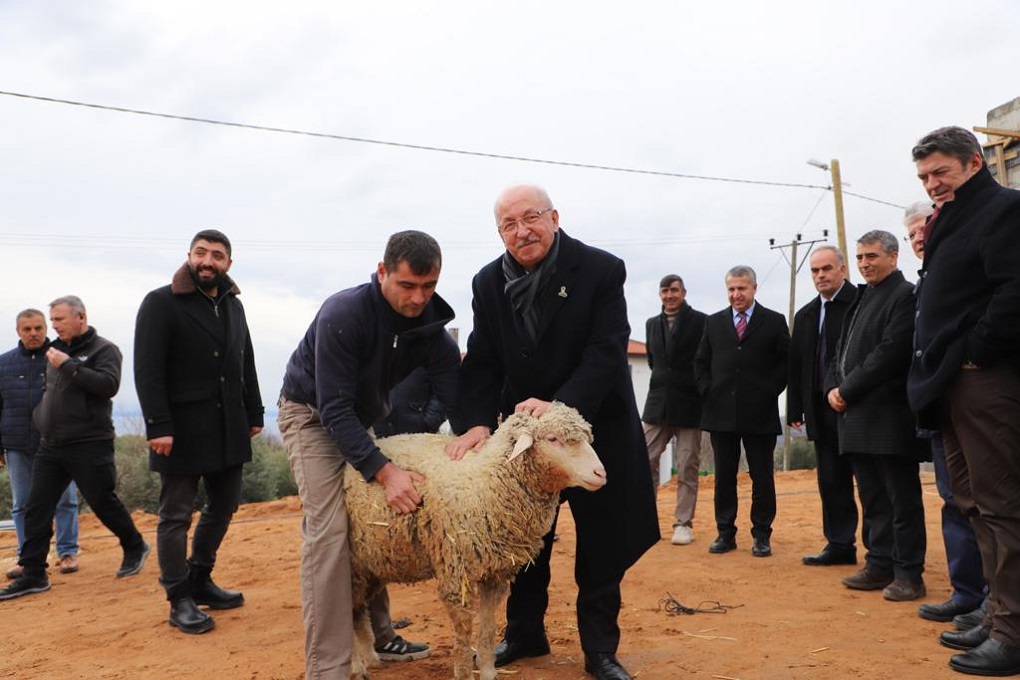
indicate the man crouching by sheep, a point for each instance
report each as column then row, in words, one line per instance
column 362, row 342
column 550, row 325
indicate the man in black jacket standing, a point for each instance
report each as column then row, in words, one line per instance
column 361, row 343
column 965, row 375
column 196, row 382
column 866, row 386
column 741, row 370
column 74, row 420
column 816, row 330
column 673, row 407
column 550, row 324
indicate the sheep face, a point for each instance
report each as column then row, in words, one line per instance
column 560, row 443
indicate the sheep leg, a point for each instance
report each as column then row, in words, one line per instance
column 364, row 645
column 490, row 595
column 461, row 614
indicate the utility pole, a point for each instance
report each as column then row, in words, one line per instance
column 794, row 268
column 837, row 195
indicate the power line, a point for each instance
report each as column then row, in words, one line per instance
column 423, row 147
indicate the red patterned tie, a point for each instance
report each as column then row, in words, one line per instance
column 926, row 229
column 741, row 324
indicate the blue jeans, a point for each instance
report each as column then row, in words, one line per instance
column 19, row 468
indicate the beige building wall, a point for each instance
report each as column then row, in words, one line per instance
column 1006, row 117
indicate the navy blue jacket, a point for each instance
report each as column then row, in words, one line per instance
column 414, row 407
column 22, row 376
column 352, row 355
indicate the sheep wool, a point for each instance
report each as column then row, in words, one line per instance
column 482, row 519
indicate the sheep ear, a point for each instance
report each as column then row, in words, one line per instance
column 524, row 443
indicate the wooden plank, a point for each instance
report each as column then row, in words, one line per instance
column 1015, row 134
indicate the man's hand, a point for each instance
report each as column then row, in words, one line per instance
column 254, row 430
column 471, row 440
column 836, row 400
column 161, row 446
column 797, row 425
column 535, row 407
column 56, row 357
column 400, row 492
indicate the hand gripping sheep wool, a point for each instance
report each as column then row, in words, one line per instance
column 482, row 519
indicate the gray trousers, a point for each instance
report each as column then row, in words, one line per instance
column 688, row 459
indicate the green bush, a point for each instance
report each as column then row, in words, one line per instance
column 802, row 455
column 5, row 494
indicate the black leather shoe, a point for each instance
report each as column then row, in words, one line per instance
column 830, row 556
column 722, row 545
column 964, row 639
column 762, row 547
column 605, row 666
column 970, row 619
column 211, row 595
column 991, row 658
column 507, row 652
column 188, row 618
column 944, row 611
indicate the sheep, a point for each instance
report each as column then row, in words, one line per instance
column 482, row 519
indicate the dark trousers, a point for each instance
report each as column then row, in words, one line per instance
column 91, row 466
column 598, row 603
column 835, row 482
column 176, row 504
column 962, row 555
column 981, row 434
column 758, row 449
column 890, row 489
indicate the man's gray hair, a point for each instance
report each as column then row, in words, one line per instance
column 743, row 270
column 921, row 208
column 25, row 313
column 542, row 194
column 890, row 244
column 953, row 140
column 72, row 301
column 839, row 253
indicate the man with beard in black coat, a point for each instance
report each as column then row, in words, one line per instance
column 196, row 382
column 550, row 325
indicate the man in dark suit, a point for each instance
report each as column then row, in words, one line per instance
column 962, row 555
column 866, row 386
column 741, row 370
column 965, row 376
column 199, row 393
column 815, row 333
column 673, row 407
column 550, row 324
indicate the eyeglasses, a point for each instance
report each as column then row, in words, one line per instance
column 527, row 219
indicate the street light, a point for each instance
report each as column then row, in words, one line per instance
column 837, row 194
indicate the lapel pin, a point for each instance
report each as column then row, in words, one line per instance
column 563, row 292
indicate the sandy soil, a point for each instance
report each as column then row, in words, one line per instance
column 788, row 620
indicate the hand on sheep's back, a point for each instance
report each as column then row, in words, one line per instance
column 472, row 440
column 401, row 494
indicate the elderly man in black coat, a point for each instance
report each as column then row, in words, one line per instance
column 816, row 330
column 866, row 386
column 550, row 324
column 196, row 382
column 741, row 371
column 673, row 407
column 965, row 376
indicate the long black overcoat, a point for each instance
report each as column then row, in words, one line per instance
column 580, row 359
column 804, row 388
column 673, row 397
column 195, row 377
column 741, row 380
column 870, row 369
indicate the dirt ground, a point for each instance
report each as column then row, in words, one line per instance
column 787, row 621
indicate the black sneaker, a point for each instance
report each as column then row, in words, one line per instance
column 399, row 649
column 134, row 561
column 25, row 585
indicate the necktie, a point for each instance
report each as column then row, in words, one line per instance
column 741, row 324
column 821, row 353
column 926, row 229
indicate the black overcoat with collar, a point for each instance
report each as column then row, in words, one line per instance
column 870, row 369
column 968, row 298
column 805, row 385
column 580, row 359
column 741, row 380
column 195, row 377
column 673, row 397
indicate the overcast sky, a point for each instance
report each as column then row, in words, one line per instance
column 103, row 204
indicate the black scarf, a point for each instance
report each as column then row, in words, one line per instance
column 523, row 287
